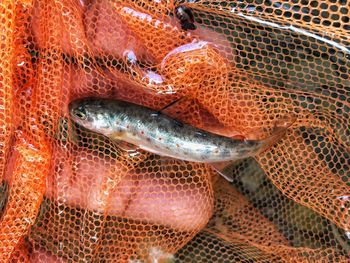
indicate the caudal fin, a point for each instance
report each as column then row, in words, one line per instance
column 278, row 132
column 280, row 129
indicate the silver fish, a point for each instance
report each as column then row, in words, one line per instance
column 158, row 133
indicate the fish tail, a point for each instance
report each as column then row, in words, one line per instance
column 278, row 132
column 225, row 168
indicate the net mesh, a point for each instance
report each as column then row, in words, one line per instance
column 70, row 195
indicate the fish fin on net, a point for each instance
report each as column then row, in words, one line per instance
column 131, row 154
column 127, row 147
column 224, row 169
column 278, row 132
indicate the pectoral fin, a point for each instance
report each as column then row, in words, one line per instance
column 128, row 147
column 123, row 145
column 224, row 169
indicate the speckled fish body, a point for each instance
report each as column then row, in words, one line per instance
column 158, row 133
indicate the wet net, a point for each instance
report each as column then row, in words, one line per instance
column 71, row 195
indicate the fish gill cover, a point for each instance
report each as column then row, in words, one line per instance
column 233, row 68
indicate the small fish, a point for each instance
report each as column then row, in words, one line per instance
column 185, row 15
column 158, row 133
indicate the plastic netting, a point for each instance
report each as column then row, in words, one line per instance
column 71, row 195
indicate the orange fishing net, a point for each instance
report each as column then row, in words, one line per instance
column 70, row 195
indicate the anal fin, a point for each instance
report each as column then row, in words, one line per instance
column 224, row 169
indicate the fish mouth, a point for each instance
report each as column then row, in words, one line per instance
column 72, row 105
column 77, row 110
column 83, row 110
column 82, row 102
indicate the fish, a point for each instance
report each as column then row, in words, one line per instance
column 158, row 133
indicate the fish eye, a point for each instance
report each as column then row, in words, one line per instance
column 80, row 113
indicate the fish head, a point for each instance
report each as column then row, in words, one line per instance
column 92, row 114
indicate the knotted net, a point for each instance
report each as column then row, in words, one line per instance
column 70, row 195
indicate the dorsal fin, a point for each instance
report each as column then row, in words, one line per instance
column 170, row 106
